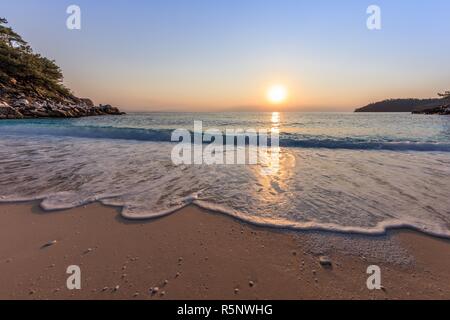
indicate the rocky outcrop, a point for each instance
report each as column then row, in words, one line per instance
column 416, row 106
column 20, row 107
column 31, row 86
column 401, row 105
column 442, row 110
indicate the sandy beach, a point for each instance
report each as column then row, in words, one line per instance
column 195, row 254
column 226, row 150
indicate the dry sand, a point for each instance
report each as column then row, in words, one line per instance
column 195, row 254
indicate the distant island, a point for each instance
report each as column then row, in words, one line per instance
column 426, row 106
column 31, row 85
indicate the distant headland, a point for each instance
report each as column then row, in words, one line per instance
column 31, row 85
column 417, row 106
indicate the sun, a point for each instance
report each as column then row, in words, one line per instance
column 277, row 94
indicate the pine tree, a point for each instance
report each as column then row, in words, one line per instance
column 23, row 70
column 445, row 95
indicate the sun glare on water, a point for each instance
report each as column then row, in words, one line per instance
column 277, row 94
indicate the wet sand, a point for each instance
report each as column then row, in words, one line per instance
column 196, row 254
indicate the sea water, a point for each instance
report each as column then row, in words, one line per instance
column 346, row 172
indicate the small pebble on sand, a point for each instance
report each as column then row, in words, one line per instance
column 325, row 261
column 154, row 290
column 50, row 243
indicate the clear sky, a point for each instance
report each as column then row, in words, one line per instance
column 195, row 55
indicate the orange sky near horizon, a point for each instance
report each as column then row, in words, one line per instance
column 213, row 96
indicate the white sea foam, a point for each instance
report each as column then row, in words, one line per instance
column 355, row 191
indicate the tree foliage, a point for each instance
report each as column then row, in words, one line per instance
column 445, row 95
column 22, row 70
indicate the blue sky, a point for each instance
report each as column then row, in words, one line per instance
column 219, row 54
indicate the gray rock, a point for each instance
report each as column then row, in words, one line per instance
column 21, row 102
column 58, row 113
column 40, row 113
column 4, row 104
column 87, row 102
column 8, row 112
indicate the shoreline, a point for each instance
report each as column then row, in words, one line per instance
column 383, row 229
column 184, row 254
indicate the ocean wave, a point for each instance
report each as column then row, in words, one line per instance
column 95, row 132
column 314, row 189
column 357, row 144
column 164, row 135
column 52, row 203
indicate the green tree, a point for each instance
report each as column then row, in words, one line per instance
column 445, row 95
column 23, row 70
column 8, row 36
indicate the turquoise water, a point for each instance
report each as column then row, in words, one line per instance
column 399, row 131
column 344, row 172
